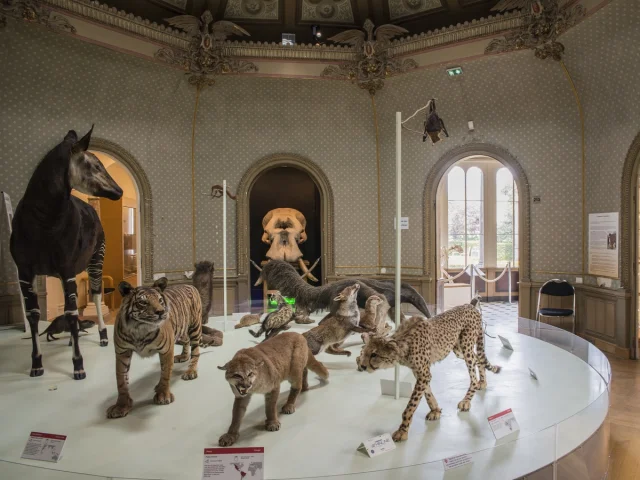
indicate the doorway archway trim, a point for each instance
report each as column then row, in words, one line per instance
column 326, row 202
column 628, row 218
column 431, row 259
column 146, row 202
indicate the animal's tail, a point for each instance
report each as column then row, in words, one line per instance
column 408, row 294
column 315, row 366
column 203, row 281
column 258, row 333
column 481, row 355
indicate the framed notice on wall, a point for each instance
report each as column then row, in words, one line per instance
column 603, row 244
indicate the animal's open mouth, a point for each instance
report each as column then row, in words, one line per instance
column 242, row 391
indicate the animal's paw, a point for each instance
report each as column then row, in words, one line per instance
column 104, row 339
column 78, row 369
column 181, row 358
column 464, row 405
column 163, row 397
column 190, row 375
column 228, row 439
column 347, row 353
column 304, row 320
column 272, row 426
column 288, row 409
column 434, row 414
column 496, row 368
column 79, row 375
column 36, row 372
column 400, row 435
column 121, row 408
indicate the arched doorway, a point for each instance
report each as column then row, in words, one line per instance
column 121, row 223
column 489, row 183
column 630, row 246
column 260, row 176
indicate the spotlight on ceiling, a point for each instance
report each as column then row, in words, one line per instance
column 454, row 71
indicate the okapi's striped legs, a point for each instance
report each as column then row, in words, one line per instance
column 71, row 315
column 94, row 270
column 33, row 316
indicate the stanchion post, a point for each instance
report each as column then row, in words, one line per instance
column 509, row 274
column 473, row 280
column 224, row 251
column 398, row 304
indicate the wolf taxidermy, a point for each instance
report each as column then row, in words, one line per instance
column 59, row 325
column 56, row 234
column 276, row 321
column 283, row 277
column 203, row 281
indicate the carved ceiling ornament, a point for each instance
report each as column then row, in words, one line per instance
column 405, row 8
column 373, row 61
column 205, row 56
column 548, row 20
column 330, row 11
column 33, row 11
column 252, row 9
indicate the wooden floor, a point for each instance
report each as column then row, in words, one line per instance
column 624, row 419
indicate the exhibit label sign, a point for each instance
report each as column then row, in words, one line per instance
column 378, row 445
column 505, row 343
column 456, row 461
column 44, row 446
column 603, row 244
column 404, row 223
column 503, row 424
column 233, row 463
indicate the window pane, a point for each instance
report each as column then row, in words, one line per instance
column 455, row 184
column 474, row 184
column 504, row 250
column 516, row 218
column 456, row 217
column 504, row 185
column 516, row 255
column 456, row 251
column 474, row 217
column 504, row 218
column 475, row 250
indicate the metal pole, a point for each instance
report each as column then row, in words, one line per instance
column 398, row 304
column 473, row 281
column 509, row 274
column 224, row 251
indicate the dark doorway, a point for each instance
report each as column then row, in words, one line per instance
column 283, row 187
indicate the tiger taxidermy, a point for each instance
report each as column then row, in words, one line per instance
column 150, row 321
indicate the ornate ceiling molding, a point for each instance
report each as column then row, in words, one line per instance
column 407, row 8
column 268, row 10
column 326, row 11
column 33, row 11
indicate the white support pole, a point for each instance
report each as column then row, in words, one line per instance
column 224, row 251
column 509, row 275
column 473, row 281
column 398, row 304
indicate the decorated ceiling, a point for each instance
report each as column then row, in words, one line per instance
column 268, row 19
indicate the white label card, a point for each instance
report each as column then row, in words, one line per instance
column 503, row 424
column 505, row 343
column 44, row 446
column 378, row 445
column 457, row 461
column 404, row 223
column 233, row 463
column 533, row 374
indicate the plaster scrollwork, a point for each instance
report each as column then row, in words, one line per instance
column 373, row 62
column 333, row 11
column 146, row 200
column 547, row 21
column 405, row 8
column 33, row 11
column 205, row 56
column 431, row 255
column 252, row 9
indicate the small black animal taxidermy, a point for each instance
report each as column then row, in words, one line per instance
column 60, row 325
column 433, row 125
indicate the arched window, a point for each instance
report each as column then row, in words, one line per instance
column 506, row 219
column 465, row 217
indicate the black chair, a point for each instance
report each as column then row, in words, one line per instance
column 558, row 288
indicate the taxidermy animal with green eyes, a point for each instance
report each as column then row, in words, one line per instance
column 56, row 234
column 336, row 327
column 276, row 321
column 151, row 320
column 261, row 370
column 417, row 344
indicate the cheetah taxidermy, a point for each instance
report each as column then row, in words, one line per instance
column 418, row 343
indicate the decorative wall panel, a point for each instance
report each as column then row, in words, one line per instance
column 252, row 9
column 326, row 11
column 405, row 8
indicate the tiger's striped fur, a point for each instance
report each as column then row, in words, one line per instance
column 150, row 321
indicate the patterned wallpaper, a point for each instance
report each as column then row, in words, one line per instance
column 604, row 60
column 58, row 83
column 516, row 102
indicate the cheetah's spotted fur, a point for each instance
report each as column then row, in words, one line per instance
column 418, row 343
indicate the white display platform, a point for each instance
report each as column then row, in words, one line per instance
column 557, row 413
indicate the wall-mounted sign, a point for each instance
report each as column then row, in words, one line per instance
column 603, row 244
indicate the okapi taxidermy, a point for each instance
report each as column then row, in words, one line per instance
column 59, row 235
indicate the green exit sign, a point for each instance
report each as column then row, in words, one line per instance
column 454, row 71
